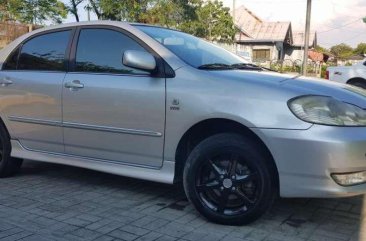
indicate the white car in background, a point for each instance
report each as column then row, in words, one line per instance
column 353, row 75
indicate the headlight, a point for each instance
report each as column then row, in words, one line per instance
column 327, row 111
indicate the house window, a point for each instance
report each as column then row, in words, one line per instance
column 261, row 54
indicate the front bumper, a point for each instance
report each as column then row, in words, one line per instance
column 306, row 159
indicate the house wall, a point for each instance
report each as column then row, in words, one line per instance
column 294, row 53
column 250, row 47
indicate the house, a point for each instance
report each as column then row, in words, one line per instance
column 296, row 52
column 269, row 41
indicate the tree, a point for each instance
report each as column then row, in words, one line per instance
column 360, row 49
column 342, row 51
column 73, row 8
column 95, row 5
column 206, row 19
column 131, row 10
column 214, row 22
column 321, row 49
column 170, row 13
column 33, row 11
column 9, row 9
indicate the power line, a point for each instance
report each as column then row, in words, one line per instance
column 347, row 24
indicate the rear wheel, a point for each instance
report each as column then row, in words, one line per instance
column 228, row 179
column 359, row 84
column 8, row 165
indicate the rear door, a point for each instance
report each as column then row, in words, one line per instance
column 30, row 93
column 112, row 112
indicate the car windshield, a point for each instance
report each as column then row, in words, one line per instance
column 194, row 51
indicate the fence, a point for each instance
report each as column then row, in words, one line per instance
column 10, row 31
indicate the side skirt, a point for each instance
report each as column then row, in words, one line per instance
column 165, row 174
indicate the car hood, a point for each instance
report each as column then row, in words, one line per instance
column 248, row 75
column 314, row 86
column 298, row 85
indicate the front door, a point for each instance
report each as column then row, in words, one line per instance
column 112, row 112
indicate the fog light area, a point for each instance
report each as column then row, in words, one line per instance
column 350, row 178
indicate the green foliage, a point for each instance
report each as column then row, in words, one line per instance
column 342, row 51
column 33, row 11
column 168, row 13
column 321, row 49
column 206, row 19
column 9, row 9
column 131, row 10
column 360, row 49
column 213, row 22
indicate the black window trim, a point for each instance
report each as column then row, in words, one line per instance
column 67, row 51
column 163, row 70
column 17, row 48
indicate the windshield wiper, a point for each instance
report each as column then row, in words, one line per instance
column 248, row 66
column 216, row 66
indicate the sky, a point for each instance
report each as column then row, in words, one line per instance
column 335, row 21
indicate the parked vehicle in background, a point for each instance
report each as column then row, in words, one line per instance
column 161, row 105
column 245, row 55
column 353, row 75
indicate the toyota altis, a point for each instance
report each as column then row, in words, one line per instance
column 161, row 105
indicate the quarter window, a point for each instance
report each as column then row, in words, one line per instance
column 101, row 51
column 45, row 52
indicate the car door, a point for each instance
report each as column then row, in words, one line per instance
column 112, row 112
column 31, row 89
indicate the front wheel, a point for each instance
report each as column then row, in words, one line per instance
column 359, row 84
column 229, row 180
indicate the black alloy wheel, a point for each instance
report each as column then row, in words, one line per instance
column 229, row 180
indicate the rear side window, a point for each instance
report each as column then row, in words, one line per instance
column 45, row 52
column 101, row 51
column 12, row 61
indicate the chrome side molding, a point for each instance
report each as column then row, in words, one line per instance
column 85, row 126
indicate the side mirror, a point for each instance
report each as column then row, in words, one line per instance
column 139, row 60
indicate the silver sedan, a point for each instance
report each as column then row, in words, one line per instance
column 158, row 104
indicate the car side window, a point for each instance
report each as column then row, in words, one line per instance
column 12, row 60
column 45, row 52
column 101, row 51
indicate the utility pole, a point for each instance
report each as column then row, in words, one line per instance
column 307, row 32
column 88, row 8
column 234, row 7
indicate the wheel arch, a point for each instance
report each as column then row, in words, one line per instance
column 205, row 128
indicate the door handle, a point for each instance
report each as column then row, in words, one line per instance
column 74, row 85
column 5, row 82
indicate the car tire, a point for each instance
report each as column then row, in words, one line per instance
column 359, row 84
column 8, row 165
column 229, row 179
